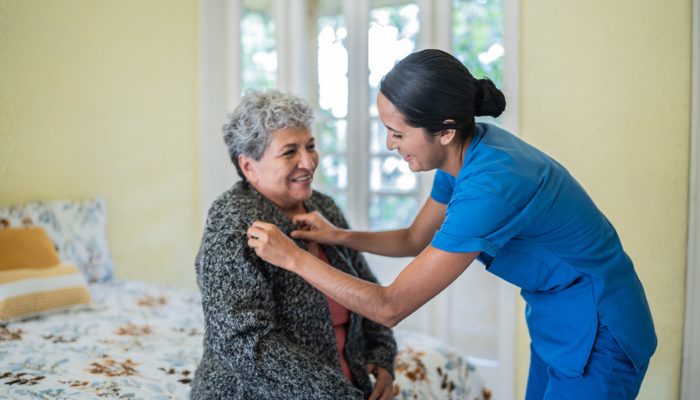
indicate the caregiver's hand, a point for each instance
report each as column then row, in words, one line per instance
column 314, row 227
column 272, row 245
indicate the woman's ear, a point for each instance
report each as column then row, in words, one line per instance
column 247, row 165
column 447, row 136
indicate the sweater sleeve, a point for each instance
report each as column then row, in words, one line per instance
column 241, row 329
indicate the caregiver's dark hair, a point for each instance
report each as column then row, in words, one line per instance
column 431, row 86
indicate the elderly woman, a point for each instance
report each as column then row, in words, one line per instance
column 268, row 333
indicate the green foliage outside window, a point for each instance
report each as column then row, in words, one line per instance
column 258, row 48
column 477, row 26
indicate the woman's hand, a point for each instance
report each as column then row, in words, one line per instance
column 272, row 245
column 384, row 388
column 314, row 227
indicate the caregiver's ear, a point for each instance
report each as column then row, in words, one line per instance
column 247, row 165
column 447, row 136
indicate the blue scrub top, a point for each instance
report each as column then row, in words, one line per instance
column 538, row 229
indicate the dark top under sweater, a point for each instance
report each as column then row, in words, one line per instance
column 268, row 333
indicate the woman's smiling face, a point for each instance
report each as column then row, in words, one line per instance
column 286, row 169
column 423, row 153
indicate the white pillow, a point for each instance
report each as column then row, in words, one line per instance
column 77, row 228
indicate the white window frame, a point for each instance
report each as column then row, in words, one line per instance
column 220, row 86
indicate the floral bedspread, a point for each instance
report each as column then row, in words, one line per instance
column 143, row 341
column 427, row 368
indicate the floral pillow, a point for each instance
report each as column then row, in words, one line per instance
column 427, row 368
column 77, row 228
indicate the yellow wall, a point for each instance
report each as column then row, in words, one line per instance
column 605, row 89
column 100, row 97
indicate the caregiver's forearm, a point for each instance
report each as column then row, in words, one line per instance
column 407, row 242
column 365, row 298
column 396, row 243
column 429, row 274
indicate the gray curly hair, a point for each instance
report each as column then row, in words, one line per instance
column 248, row 129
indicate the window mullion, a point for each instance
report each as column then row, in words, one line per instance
column 297, row 47
column 425, row 35
column 439, row 37
column 511, row 65
column 279, row 14
column 357, row 20
column 290, row 34
column 442, row 25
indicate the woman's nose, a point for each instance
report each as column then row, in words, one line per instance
column 307, row 161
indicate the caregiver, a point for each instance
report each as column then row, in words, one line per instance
column 518, row 211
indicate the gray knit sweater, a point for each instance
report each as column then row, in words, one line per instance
column 268, row 333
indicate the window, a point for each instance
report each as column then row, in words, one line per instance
column 477, row 37
column 332, row 104
column 392, row 35
column 477, row 41
column 389, row 198
column 258, row 46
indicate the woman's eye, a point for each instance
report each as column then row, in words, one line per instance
column 397, row 136
column 312, row 147
column 289, row 153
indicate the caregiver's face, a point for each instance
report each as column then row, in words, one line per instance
column 423, row 153
column 286, row 169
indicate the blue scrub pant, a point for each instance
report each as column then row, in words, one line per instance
column 609, row 374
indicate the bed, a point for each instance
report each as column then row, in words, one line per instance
column 139, row 340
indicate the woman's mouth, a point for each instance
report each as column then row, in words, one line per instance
column 303, row 178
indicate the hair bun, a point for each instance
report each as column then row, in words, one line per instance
column 489, row 101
